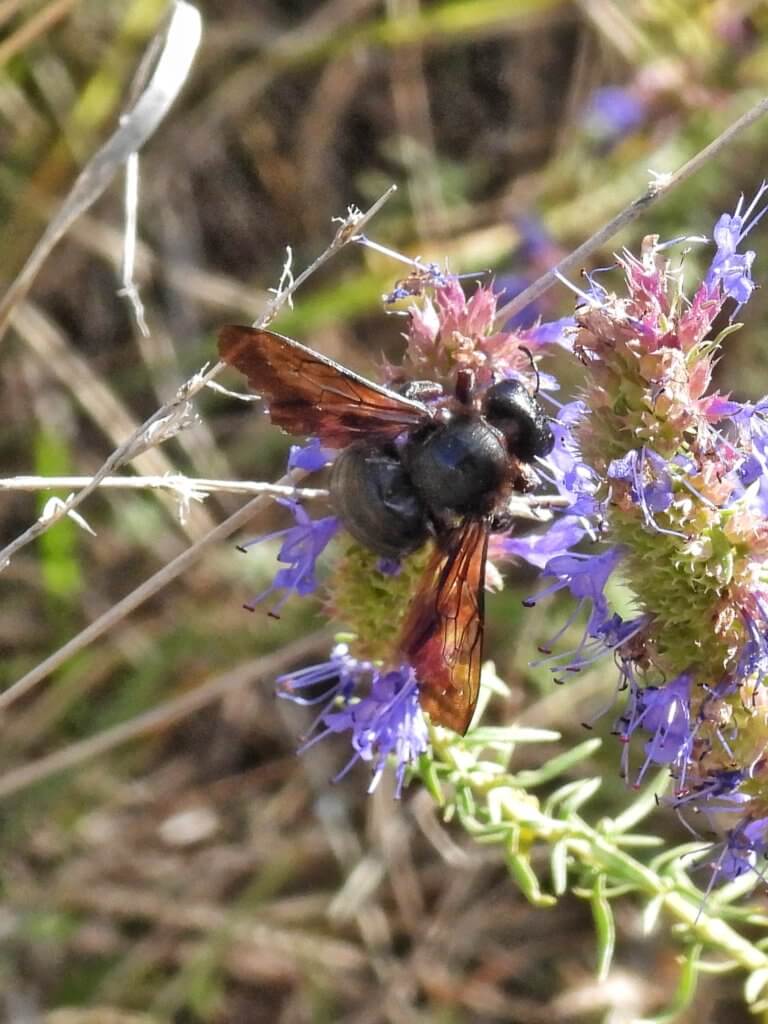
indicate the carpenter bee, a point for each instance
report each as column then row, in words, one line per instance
column 414, row 464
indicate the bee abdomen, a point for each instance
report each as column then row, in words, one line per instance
column 373, row 496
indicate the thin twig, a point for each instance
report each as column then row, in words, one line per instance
column 660, row 186
column 164, row 418
column 8, row 8
column 38, row 24
column 194, row 487
column 200, row 487
column 129, row 289
column 136, row 597
column 98, row 401
column 180, row 42
column 164, row 715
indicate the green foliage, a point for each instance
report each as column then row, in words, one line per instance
column 471, row 780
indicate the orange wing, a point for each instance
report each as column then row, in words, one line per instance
column 443, row 632
column 309, row 394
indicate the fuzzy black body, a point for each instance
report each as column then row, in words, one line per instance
column 375, row 498
column 462, row 463
column 412, row 464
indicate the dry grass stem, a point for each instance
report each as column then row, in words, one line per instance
column 164, row 421
column 180, row 43
column 136, row 597
column 197, row 488
column 164, row 715
column 661, row 185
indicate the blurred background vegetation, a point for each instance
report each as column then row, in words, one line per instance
column 201, row 872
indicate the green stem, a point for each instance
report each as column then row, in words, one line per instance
column 497, row 803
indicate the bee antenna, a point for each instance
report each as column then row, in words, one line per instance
column 533, row 367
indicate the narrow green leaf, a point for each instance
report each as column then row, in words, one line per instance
column 638, row 842
column 739, row 887
column 490, row 685
column 509, row 734
column 465, row 802
column 557, row 765
column 522, row 872
column 490, row 680
column 717, row 966
column 686, row 989
column 513, row 840
column 605, row 927
column 559, row 867
column 428, row 774
column 651, row 914
column 755, row 984
column 691, row 852
column 582, row 792
column 645, row 804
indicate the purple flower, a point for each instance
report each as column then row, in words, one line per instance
column 665, row 713
column 743, row 847
column 310, row 457
column 302, row 546
column 650, row 484
column 565, row 468
column 324, row 683
column 730, row 269
column 751, row 468
column 388, row 720
column 551, row 332
column 752, row 427
column 539, row 548
column 380, row 710
column 753, row 659
column 608, row 637
column 720, row 407
column 653, row 492
column 709, row 791
column 731, row 814
column 586, row 577
column 613, row 112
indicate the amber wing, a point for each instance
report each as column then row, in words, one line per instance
column 309, row 394
column 443, row 632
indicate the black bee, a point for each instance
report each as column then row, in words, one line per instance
column 414, row 464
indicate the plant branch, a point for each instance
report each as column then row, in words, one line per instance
column 164, row 715
column 197, row 488
column 502, row 809
column 165, row 421
column 660, row 186
column 172, row 52
column 136, row 597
